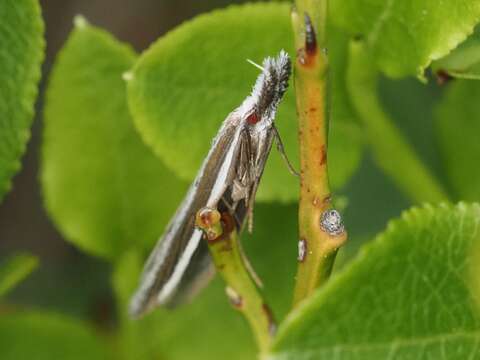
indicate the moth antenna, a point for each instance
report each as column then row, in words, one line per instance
column 281, row 150
column 255, row 64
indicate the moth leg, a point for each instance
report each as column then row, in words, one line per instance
column 231, row 209
column 258, row 281
column 242, row 186
column 250, row 200
column 250, row 219
column 281, row 150
column 245, row 182
column 242, row 181
column 240, row 190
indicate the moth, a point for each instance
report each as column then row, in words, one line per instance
column 180, row 265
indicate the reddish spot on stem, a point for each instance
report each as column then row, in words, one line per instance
column 208, row 217
column 211, row 236
column 327, row 200
column 272, row 326
column 323, row 155
column 237, row 302
column 303, row 58
column 443, row 77
column 227, row 222
column 226, row 246
column 235, row 299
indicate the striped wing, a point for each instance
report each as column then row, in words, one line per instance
column 180, row 264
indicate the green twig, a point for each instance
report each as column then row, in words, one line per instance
column 317, row 247
column 229, row 261
column 391, row 150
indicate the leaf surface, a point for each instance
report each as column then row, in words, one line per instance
column 105, row 190
column 464, row 61
column 46, row 336
column 458, row 129
column 21, row 55
column 406, row 296
column 405, row 36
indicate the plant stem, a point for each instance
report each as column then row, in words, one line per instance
column 230, row 263
column 317, row 247
column 391, row 150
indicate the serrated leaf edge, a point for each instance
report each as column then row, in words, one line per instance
column 80, row 24
column 407, row 217
column 31, row 93
column 454, row 41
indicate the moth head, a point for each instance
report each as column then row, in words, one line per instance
column 260, row 107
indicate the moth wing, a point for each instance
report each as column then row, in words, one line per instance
column 200, row 269
column 179, row 266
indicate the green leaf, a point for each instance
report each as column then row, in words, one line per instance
column 43, row 336
column 102, row 186
column 392, row 152
column 185, row 85
column 346, row 139
column 406, row 296
column 475, row 274
column 405, row 36
column 21, row 55
column 458, row 126
column 14, row 269
column 464, row 61
column 209, row 328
